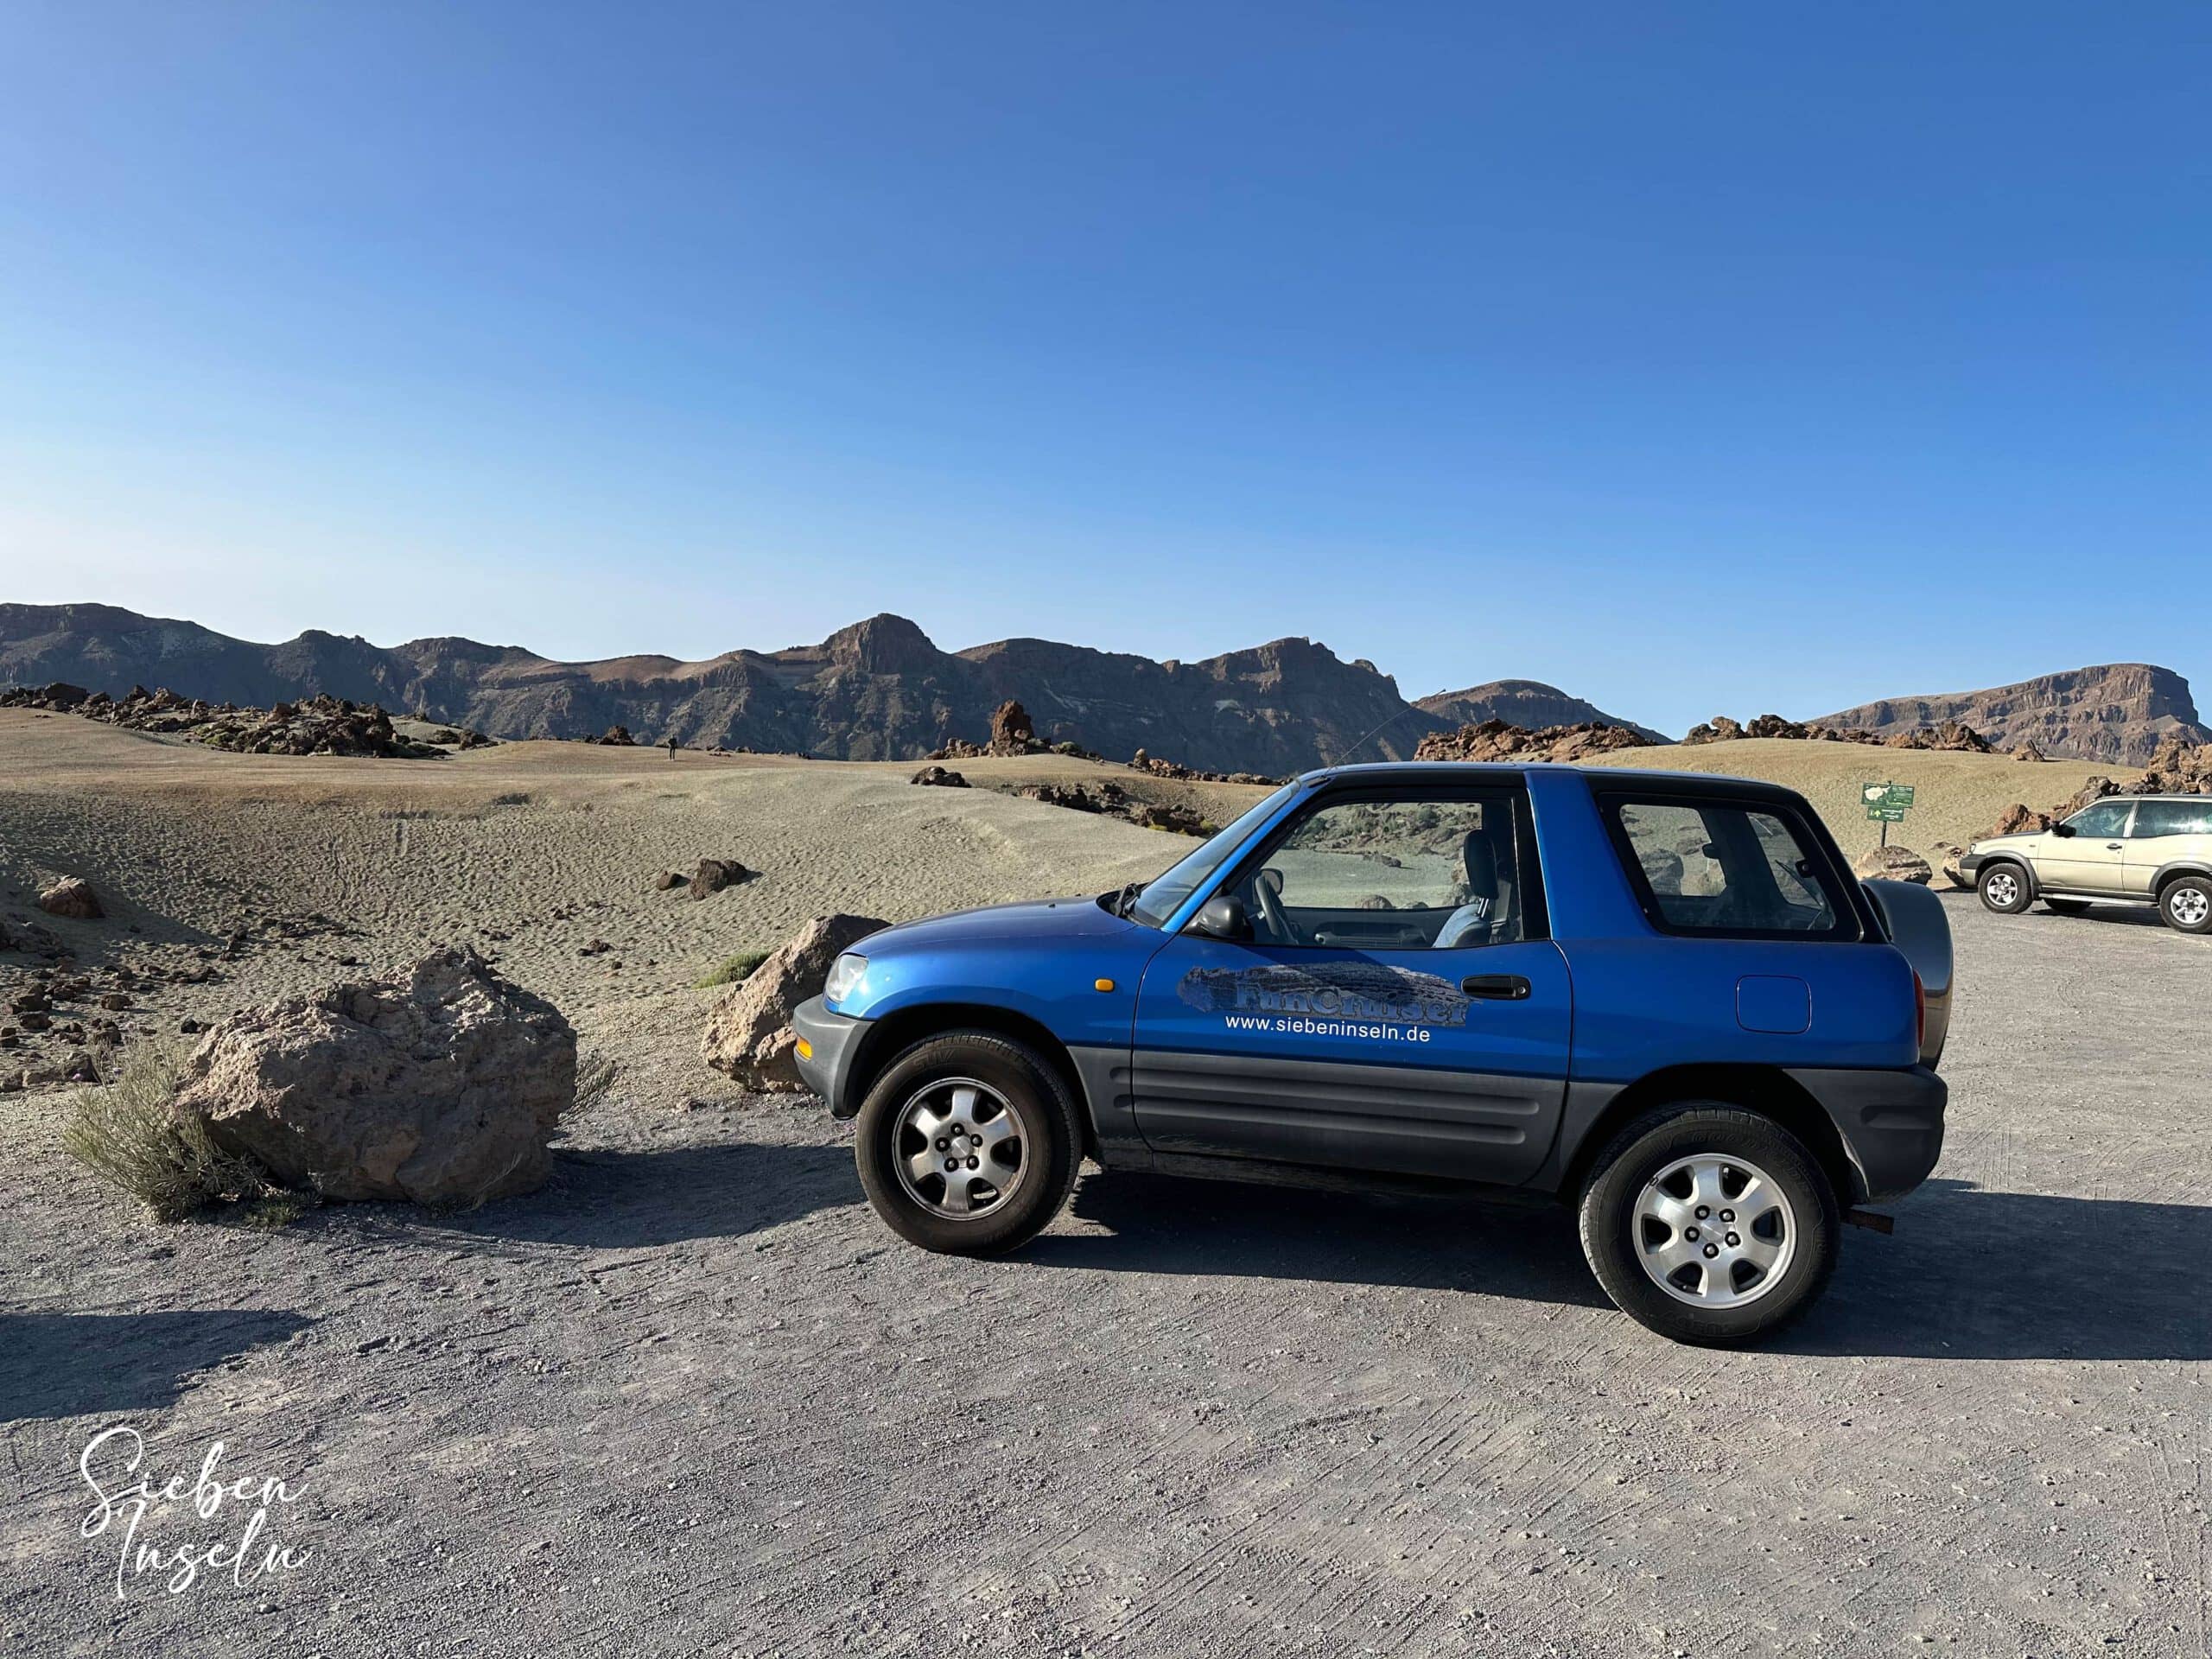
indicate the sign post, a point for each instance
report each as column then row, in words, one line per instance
column 1886, row 804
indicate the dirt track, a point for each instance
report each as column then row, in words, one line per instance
column 694, row 1400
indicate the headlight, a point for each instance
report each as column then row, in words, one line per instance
column 844, row 977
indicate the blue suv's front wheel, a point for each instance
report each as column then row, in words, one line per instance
column 968, row 1143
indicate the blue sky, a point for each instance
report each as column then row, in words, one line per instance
column 1723, row 357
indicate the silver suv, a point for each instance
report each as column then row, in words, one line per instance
column 2134, row 849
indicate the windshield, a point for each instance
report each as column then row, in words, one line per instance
column 1161, row 900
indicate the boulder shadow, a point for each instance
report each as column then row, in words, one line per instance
column 614, row 1198
column 1177, row 1224
column 92, row 1364
column 1972, row 1273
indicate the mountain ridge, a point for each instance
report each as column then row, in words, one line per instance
column 879, row 689
column 2108, row 711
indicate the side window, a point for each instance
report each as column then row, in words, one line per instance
column 2172, row 818
column 2107, row 819
column 1718, row 866
column 1393, row 874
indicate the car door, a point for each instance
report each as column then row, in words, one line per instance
column 2162, row 832
column 1398, row 1005
column 2091, row 859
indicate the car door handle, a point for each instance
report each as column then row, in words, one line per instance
column 1501, row 987
column 2112, row 846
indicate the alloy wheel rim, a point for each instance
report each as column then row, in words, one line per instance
column 2189, row 906
column 959, row 1146
column 1713, row 1230
column 2004, row 888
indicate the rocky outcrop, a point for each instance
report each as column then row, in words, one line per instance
column 748, row 1035
column 939, row 778
column 2176, row 768
column 2118, row 712
column 1493, row 739
column 442, row 1084
column 1529, row 704
column 71, row 897
column 318, row 724
column 1012, row 730
column 1153, row 766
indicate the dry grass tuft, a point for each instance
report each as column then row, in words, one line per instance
column 732, row 970
column 125, row 1133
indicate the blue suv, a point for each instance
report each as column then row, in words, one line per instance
column 1660, row 997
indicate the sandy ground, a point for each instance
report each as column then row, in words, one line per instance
column 693, row 1399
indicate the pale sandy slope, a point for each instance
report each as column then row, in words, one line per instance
column 1956, row 796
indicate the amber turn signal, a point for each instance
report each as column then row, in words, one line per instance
column 806, row 1049
column 1101, row 984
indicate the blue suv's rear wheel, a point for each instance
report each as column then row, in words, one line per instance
column 1709, row 1224
column 968, row 1143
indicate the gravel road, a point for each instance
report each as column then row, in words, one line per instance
column 694, row 1400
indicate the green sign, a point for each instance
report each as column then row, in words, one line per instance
column 1886, row 814
column 1887, row 797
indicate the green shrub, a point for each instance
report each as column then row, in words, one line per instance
column 734, row 968
column 126, row 1135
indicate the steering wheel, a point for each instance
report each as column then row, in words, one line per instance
column 1266, row 887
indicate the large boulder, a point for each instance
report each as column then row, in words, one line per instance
column 1892, row 864
column 72, row 897
column 442, row 1084
column 749, row 1032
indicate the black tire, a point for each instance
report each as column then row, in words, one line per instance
column 2188, row 896
column 1617, row 1242
column 2005, row 888
column 2067, row 907
column 1048, row 1137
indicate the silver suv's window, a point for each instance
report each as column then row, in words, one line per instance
column 2173, row 818
column 2104, row 818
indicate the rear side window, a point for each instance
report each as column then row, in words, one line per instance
column 1728, row 868
column 2172, row 818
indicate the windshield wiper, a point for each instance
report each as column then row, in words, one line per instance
column 1126, row 898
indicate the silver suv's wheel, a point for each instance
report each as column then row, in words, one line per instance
column 2186, row 903
column 2005, row 889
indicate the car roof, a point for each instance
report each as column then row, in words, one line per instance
column 1411, row 771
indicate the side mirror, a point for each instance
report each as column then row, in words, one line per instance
column 2063, row 830
column 1223, row 917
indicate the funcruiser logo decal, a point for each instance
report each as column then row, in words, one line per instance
column 1330, row 990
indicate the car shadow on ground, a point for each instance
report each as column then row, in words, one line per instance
column 613, row 1198
column 1969, row 1274
column 1162, row 1223
column 91, row 1365
column 1975, row 1274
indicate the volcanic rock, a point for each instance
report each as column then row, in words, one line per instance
column 1892, row 863
column 442, row 1086
column 939, row 777
column 1493, row 739
column 71, row 897
column 716, row 874
column 748, row 1035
